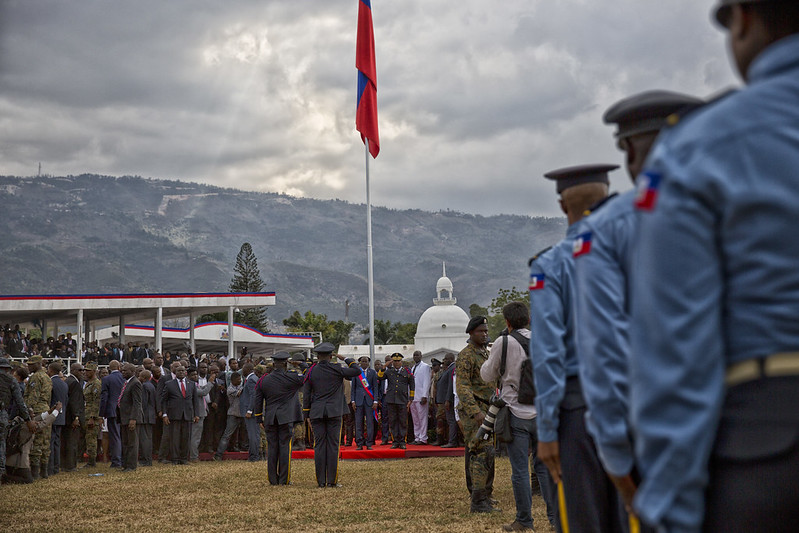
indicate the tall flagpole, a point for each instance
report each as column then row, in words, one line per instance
column 370, row 267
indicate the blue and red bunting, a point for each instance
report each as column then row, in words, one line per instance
column 536, row 281
column 646, row 187
column 582, row 244
column 366, row 107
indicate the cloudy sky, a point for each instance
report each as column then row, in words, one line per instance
column 477, row 99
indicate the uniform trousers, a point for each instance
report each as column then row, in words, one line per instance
column 278, row 453
column 398, row 414
column 364, row 412
column 755, row 459
column 420, row 413
column 145, row 443
column 40, row 447
column 327, row 435
column 479, row 457
column 91, row 440
column 592, row 502
column 130, row 446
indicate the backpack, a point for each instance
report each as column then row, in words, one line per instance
column 526, row 383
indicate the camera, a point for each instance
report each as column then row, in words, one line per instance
column 487, row 427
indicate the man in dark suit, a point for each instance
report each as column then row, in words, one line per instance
column 323, row 403
column 280, row 389
column 129, row 415
column 445, row 398
column 74, row 414
column 364, row 403
column 179, row 406
column 110, row 389
column 148, row 418
column 164, row 445
column 247, row 397
column 60, row 394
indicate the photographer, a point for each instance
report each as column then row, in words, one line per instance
column 522, row 417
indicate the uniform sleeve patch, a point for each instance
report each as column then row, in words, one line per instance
column 582, row 244
column 646, row 187
column 536, row 281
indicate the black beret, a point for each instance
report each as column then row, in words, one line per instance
column 325, row 347
column 476, row 321
column 435, row 361
column 647, row 111
column 571, row 176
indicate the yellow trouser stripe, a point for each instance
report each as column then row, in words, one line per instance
column 288, row 479
column 564, row 519
column 635, row 525
column 338, row 448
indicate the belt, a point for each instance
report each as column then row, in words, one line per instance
column 778, row 364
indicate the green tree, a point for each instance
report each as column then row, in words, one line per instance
column 496, row 322
column 388, row 333
column 247, row 278
column 337, row 331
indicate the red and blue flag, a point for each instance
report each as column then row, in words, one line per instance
column 582, row 244
column 366, row 110
column 646, row 194
column 536, row 281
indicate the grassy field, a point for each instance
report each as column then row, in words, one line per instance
column 385, row 496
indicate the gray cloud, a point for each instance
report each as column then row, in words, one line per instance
column 476, row 99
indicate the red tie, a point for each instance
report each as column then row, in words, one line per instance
column 119, row 400
column 182, row 388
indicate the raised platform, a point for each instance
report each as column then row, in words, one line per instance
column 349, row 452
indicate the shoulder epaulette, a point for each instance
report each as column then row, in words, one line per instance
column 675, row 118
column 539, row 254
column 600, row 203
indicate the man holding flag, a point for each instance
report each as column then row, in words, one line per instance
column 364, row 403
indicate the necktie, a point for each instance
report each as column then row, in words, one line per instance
column 414, row 369
column 119, row 400
column 182, row 388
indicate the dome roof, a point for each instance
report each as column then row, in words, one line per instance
column 444, row 284
column 442, row 321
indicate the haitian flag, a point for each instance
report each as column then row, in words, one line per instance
column 536, row 282
column 646, row 190
column 366, row 109
column 582, row 244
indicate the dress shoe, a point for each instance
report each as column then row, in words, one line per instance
column 402, row 445
column 334, row 485
column 368, row 447
column 448, row 446
column 70, row 470
column 395, row 445
column 359, row 447
column 421, row 443
column 217, row 457
column 128, row 470
column 166, row 461
column 516, row 526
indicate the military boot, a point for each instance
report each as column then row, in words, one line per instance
column 43, row 471
column 34, row 469
column 480, row 503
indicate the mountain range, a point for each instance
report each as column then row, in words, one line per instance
column 103, row 234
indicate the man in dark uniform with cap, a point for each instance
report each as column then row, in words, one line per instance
column 323, row 402
column 715, row 296
column 601, row 275
column 588, row 501
column 400, row 388
column 280, row 389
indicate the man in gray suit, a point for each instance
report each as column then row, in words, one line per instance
column 280, row 389
column 246, row 400
column 179, row 401
column 323, row 403
column 130, row 414
column 204, row 386
column 148, row 419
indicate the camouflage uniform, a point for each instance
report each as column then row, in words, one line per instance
column 92, row 395
column 37, row 397
column 473, row 396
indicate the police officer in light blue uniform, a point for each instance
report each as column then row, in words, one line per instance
column 601, row 273
column 587, row 499
column 715, row 297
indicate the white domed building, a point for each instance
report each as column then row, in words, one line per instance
column 442, row 328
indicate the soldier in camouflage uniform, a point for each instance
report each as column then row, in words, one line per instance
column 474, row 396
column 94, row 422
column 37, row 397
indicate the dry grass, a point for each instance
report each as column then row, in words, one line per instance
column 413, row 495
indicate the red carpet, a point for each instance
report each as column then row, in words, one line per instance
column 349, row 452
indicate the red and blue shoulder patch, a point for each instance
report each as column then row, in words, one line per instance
column 646, row 187
column 582, row 244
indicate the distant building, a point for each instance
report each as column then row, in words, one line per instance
column 440, row 330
